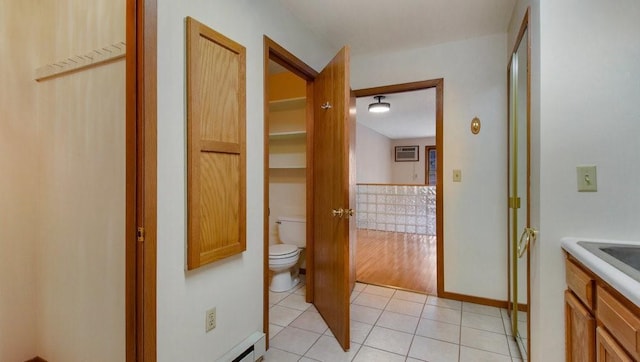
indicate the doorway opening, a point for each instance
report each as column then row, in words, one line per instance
column 328, row 206
column 287, row 184
column 286, row 176
column 399, row 197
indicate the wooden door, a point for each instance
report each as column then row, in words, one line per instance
column 580, row 329
column 332, row 135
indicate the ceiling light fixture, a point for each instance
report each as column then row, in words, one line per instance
column 379, row 107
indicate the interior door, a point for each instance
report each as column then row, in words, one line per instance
column 521, row 234
column 332, row 175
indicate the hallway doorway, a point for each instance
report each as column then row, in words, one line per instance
column 399, row 207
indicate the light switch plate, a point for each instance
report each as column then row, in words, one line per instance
column 587, row 178
column 457, row 175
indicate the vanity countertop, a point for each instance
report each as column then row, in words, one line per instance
column 623, row 283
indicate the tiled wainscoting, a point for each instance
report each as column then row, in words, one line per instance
column 399, row 208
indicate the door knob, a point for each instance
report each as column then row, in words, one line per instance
column 338, row 212
column 349, row 212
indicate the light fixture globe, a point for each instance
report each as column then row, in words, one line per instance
column 379, row 107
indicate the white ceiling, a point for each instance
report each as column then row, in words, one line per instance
column 376, row 26
column 412, row 114
column 373, row 26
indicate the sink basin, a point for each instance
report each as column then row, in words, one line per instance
column 629, row 255
column 624, row 257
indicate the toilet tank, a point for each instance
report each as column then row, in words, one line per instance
column 293, row 230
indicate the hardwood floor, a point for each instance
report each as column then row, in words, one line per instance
column 405, row 261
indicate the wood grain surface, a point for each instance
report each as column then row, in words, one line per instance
column 402, row 260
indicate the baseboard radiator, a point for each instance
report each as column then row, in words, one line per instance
column 250, row 350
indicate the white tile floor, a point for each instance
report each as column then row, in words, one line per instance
column 390, row 325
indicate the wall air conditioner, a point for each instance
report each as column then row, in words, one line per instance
column 407, row 153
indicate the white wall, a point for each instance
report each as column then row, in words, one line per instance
column 411, row 172
column 586, row 105
column 234, row 286
column 474, row 73
column 19, row 158
column 287, row 196
column 80, row 247
column 373, row 156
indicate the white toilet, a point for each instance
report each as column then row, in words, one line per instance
column 283, row 257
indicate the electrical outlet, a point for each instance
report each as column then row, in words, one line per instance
column 210, row 321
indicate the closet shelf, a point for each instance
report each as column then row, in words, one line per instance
column 288, row 104
column 290, row 167
column 287, row 160
column 287, row 135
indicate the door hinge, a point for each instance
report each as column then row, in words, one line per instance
column 140, row 234
column 514, row 202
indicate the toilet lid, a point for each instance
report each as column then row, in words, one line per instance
column 282, row 249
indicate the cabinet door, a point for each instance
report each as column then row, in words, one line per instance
column 608, row 349
column 580, row 329
column 216, row 146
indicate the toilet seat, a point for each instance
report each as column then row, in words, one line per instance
column 282, row 251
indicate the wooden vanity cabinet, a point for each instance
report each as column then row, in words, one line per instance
column 600, row 324
column 620, row 320
column 580, row 323
column 608, row 349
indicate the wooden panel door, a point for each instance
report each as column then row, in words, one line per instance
column 216, row 147
column 580, row 330
column 333, row 133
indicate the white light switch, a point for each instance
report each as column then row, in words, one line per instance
column 587, row 180
column 457, row 175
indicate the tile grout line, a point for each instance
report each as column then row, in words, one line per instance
column 415, row 330
column 487, row 331
column 377, row 319
column 461, row 311
column 304, row 355
column 460, row 334
column 372, row 326
column 507, row 335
